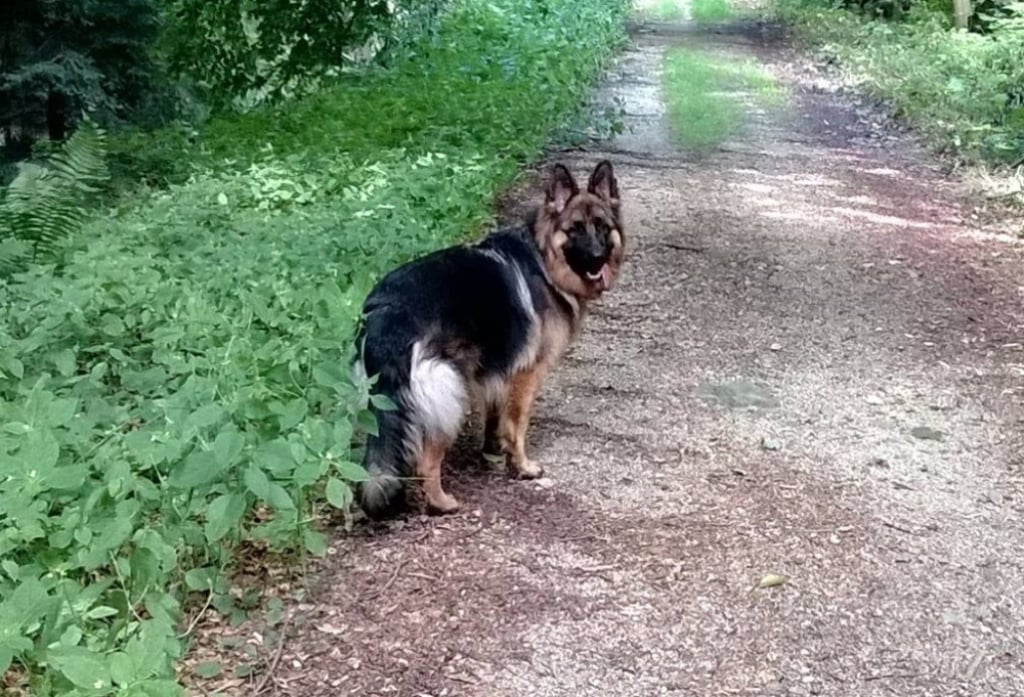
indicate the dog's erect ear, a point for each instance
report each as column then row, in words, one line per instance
column 561, row 188
column 603, row 184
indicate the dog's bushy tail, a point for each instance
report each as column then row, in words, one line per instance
column 386, row 463
column 387, row 458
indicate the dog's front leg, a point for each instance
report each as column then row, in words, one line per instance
column 516, row 420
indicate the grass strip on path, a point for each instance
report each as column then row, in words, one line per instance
column 703, row 95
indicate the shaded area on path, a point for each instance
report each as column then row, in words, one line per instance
column 812, row 368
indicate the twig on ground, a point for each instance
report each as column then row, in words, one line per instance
column 265, row 680
column 900, row 528
column 195, row 620
column 387, row 584
column 683, row 247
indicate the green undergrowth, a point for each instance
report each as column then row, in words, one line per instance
column 176, row 382
column 666, row 10
column 707, row 11
column 965, row 91
column 702, row 94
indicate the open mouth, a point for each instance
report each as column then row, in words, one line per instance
column 602, row 278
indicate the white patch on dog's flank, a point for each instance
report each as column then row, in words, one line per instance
column 437, row 395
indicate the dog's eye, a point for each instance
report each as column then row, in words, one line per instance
column 578, row 230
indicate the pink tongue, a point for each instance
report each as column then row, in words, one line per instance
column 606, row 276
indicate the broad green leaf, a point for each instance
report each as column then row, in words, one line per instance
column 202, row 578
column 155, row 688
column 147, row 650
column 205, row 416
column 352, row 471
column 292, row 414
column 85, row 669
column 145, row 447
column 145, row 567
column 368, row 422
column 330, row 375
column 65, row 362
column 339, row 494
column 310, row 471
column 279, row 498
column 111, row 325
column 100, row 611
column 257, row 482
column 26, row 605
column 277, row 456
column 223, row 515
column 122, row 671
column 39, row 454
column 227, row 447
column 71, row 636
column 198, row 469
column 68, row 477
column 343, row 434
column 60, row 412
column 383, row 402
column 315, row 542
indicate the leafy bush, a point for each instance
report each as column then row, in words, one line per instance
column 181, row 386
column 965, row 90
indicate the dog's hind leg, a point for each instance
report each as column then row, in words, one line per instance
column 428, row 467
column 492, row 434
column 516, row 422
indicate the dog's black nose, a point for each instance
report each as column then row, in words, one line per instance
column 593, row 260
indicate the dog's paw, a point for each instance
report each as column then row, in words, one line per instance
column 443, row 504
column 527, row 469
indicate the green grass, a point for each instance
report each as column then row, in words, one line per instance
column 701, row 112
column 185, row 359
column 962, row 90
column 667, row 10
column 706, row 11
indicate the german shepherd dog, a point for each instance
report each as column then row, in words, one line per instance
column 482, row 324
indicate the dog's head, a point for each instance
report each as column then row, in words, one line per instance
column 579, row 232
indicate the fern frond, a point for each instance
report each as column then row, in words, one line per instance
column 44, row 205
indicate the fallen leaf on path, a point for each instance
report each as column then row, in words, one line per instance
column 770, row 581
column 330, row 629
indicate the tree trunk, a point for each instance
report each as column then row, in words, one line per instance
column 56, row 116
column 961, row 13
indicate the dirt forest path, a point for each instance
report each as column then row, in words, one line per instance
column 812, row 368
